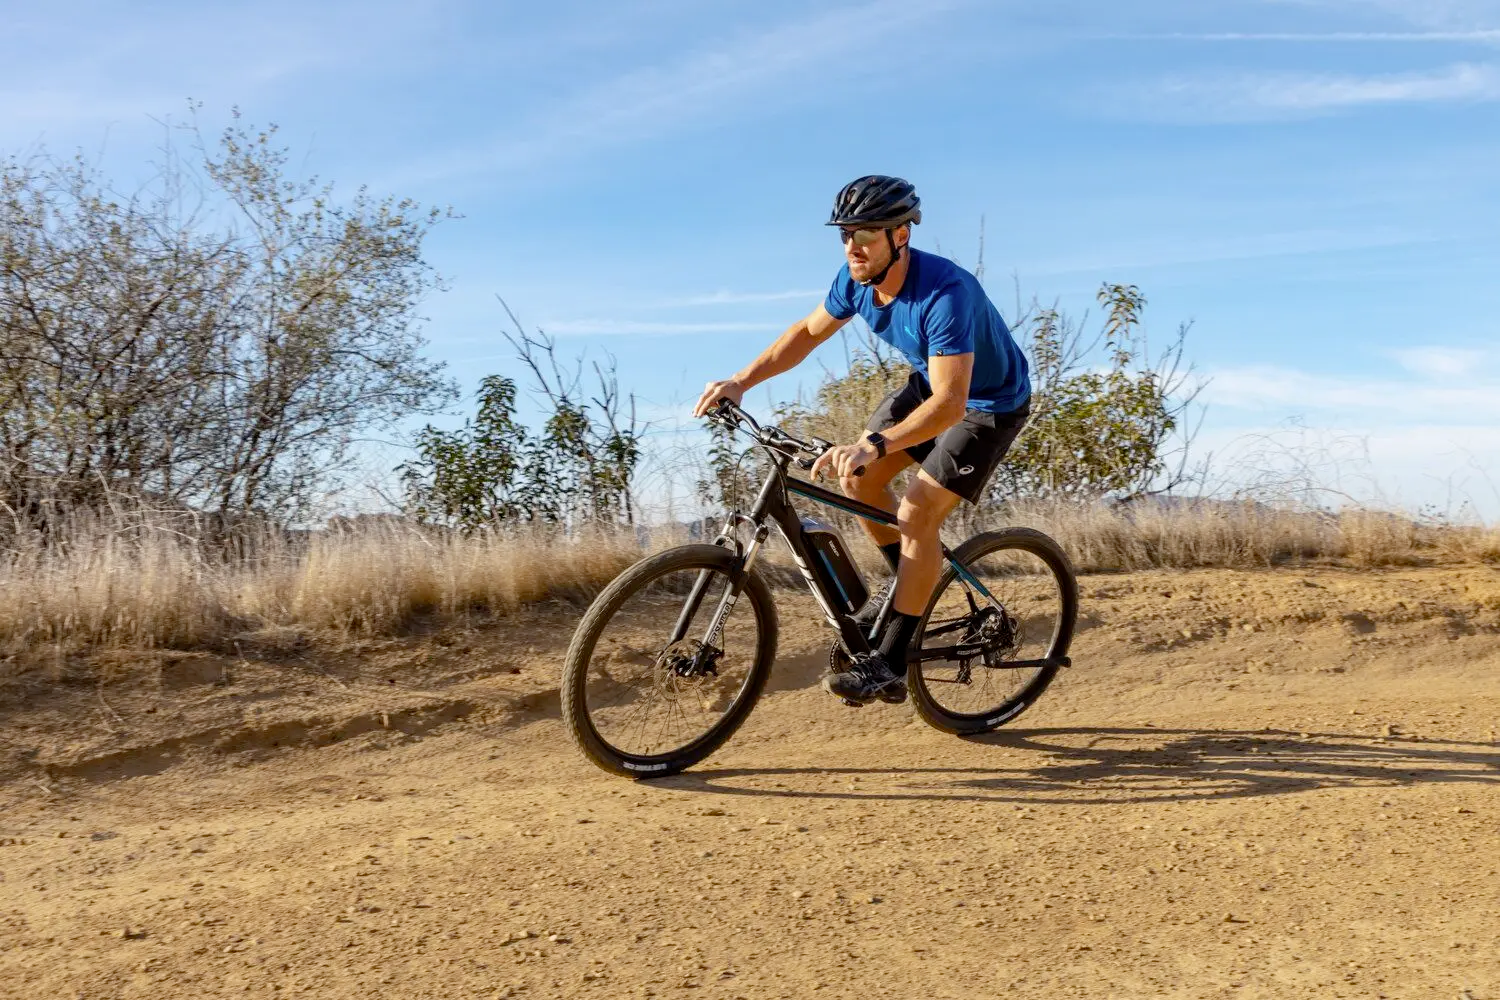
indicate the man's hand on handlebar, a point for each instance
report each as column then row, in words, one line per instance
column 846, row 460
column 713, row 392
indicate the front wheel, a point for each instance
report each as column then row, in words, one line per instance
column 996, row 631
column 652, row 685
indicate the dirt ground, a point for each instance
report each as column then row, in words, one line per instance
column 1282, row 784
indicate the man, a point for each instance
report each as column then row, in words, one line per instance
column 963, row 406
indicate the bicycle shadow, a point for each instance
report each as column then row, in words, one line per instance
column 1114, row 765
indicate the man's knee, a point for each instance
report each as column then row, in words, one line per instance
column 924, row 508
column 918, row 520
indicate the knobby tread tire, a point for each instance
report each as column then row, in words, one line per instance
column 580, row 653
column 1042, row 546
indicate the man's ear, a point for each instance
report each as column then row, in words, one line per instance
column 903, row 235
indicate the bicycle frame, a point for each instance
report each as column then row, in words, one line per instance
column 772, row 505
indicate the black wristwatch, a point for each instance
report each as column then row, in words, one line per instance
column 878, row 440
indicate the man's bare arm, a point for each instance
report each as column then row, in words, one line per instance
column 949, row 376
column 787, row 352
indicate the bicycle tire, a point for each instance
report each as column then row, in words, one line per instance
column 575, row 708
column 993, row 717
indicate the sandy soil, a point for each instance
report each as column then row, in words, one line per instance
column 1281, row 784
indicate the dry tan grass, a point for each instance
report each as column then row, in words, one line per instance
column 1247, row 535
column 372, row 581
column 153, row 588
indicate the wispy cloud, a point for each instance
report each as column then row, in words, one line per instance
column 1443, row 362
column 1475, row 36
column 1447, row 467
column 1440, row 394
column 651, row 100
column 646, row 328
column 1437, row 14
column 1430, row 436
column 55, row 107
column 1250, row 96
column 726, row 298
column 71, row 74
column 1225, row 248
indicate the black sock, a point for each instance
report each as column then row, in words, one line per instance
column 894, row 642
column 892, row 554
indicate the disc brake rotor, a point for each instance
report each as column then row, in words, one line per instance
column 690, row 658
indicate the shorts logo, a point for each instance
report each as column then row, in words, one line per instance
column 966, row 470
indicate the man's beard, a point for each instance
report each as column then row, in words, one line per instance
column 868, row 269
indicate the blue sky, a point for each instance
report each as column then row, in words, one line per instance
column 1315, row 184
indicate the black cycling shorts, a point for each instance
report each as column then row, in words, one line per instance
column 963, row 457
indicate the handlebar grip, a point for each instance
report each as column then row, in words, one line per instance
column 859, row 470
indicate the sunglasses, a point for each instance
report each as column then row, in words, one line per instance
column 861, row 237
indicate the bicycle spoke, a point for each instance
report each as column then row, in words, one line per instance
column 1005, row 634
column 648, row 695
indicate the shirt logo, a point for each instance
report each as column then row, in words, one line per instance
column 966, row 470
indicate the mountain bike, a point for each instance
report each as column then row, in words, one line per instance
column 671, row 656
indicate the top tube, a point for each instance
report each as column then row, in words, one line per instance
column 826, row 496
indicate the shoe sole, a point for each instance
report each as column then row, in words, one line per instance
column 890, row 697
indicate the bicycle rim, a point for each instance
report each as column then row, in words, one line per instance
column 651, row 697
column 1019, row 608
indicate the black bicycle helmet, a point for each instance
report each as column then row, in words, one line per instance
column 878, row 202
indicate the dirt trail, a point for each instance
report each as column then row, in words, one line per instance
column 1277, row 785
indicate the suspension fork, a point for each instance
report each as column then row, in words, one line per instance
column 756, row 517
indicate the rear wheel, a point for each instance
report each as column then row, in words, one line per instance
column 1014, row 618
column 647, row 690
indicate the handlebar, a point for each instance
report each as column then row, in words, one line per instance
column 729, row 413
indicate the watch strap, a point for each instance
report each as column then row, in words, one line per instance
column 878, row 440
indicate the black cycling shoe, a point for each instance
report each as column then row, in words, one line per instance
column 869, row 678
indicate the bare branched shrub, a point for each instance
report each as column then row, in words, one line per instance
column 215, row 340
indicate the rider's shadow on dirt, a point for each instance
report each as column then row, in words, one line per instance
column 1099, row 765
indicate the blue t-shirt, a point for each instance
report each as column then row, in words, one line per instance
column 940, row 310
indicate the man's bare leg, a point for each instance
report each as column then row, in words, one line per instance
column 921, row 515
column 882, row 675
column 874, row 488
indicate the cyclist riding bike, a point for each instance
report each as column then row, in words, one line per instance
column 967, row 399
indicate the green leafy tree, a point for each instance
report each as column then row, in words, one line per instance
column 576, row 469
column 1109, row 426
column 477, row 475
column 590, row 446
column 732, row 479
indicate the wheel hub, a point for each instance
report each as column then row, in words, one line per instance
column 995, row 631
column 690, row 658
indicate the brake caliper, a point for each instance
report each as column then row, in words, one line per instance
column 691, row 658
